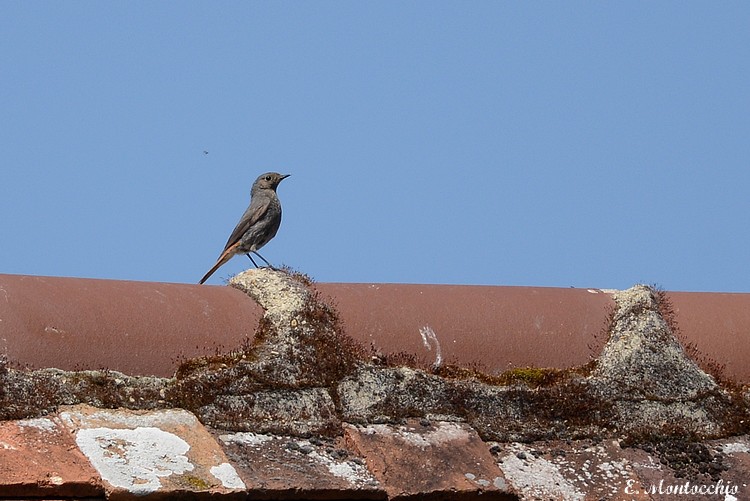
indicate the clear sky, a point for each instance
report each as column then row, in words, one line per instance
column 585, row 144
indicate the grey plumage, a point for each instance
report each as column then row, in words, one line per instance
column 258, row 225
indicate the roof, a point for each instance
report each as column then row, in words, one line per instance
column 84, row 452
column 279, row 388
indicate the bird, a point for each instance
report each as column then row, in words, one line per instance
column 258, row 225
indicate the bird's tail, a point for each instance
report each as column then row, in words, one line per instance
column 225, row 256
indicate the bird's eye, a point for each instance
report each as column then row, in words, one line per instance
column 268, row 178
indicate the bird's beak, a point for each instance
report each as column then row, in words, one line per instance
column 284, row 176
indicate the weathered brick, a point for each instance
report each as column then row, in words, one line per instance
column 39, row 458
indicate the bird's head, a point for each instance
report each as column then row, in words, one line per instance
column 269, row 181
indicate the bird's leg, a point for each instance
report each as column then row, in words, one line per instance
column 264, row 260
column 251, row 259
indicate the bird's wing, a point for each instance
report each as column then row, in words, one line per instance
column 258, row 207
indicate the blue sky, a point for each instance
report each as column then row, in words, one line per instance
column 585, row 144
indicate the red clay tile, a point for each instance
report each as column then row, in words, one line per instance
column 737, row 452
column 280, row 467
column 422, row 459
column 583, row 470
column 76, row 324
column 159, row 453
column 719, row 326
column 498, row 327
column 139, row 328
column 659, row 482
column 572, row 471
column 39, row 458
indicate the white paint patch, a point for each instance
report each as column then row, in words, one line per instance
column 498, row 482
column 131, row 420
column 356, row 474
column 444, row 432
column 612, row 469
column 651, row 465
column 537, row 478
column 7, row 446
column 245, row 438
column 43, row 424
column 734, row 448
column 227, row 475
column 136, row 459
column 428, row 339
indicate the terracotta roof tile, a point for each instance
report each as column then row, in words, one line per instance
column 169, row 454
column 140, row 453
column 279, row 466
column 272, row 399
column 422, row 458
column 39, row 458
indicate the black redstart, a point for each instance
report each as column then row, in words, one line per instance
column 258, row 225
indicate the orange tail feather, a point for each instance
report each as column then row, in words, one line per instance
column 225, row 256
